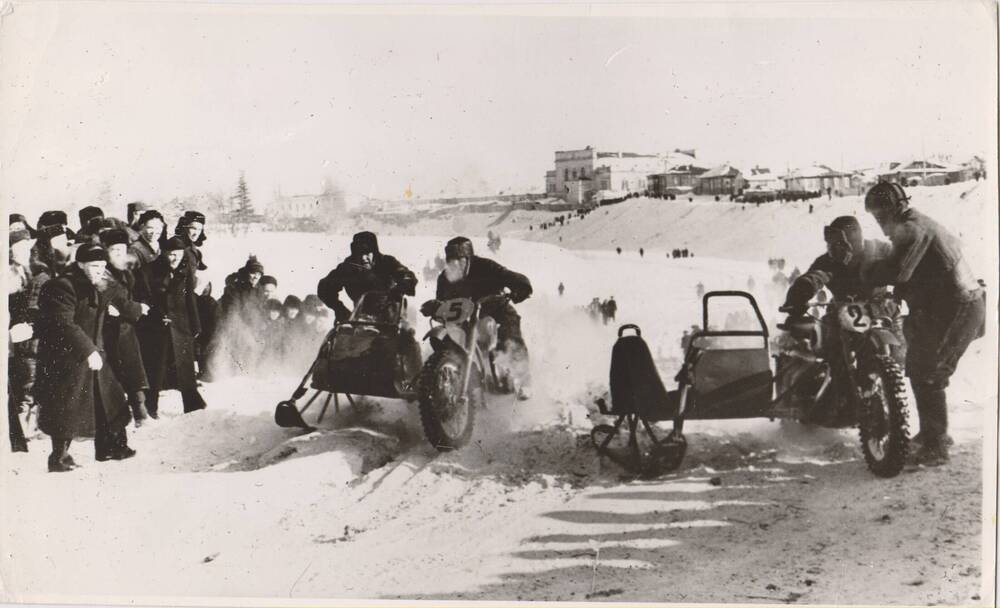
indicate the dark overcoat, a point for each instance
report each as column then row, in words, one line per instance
column 167, row 334
column 71, row 315
column 120, row 335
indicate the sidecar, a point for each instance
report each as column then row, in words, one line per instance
column 726, row 373
column 374, row 353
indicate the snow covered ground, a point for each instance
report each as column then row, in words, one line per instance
column 224, row 503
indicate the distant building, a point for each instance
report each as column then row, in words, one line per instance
column 817, row 178
column 761, row 178
column 550, row 183
column 305, row 210
column 681, row 176
column 579, row 174
column 721, row 180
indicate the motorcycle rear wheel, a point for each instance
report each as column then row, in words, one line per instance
column 446, row 415
column 883, row 420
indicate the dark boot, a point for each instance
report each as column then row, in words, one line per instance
column 932, row 408
column 137, row 402
column 192, row 400
column 59, row 457
column 153, row 403
column 18, row 442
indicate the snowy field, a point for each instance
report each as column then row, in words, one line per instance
column 222, row 502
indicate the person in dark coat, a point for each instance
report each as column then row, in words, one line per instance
column 20, row 370
column 366, row 269
column 191, row 229
column 125, row 356
column 947, row 307
column 149, row 245
column 78, row 395
column 467, row 275
column 243, row 297
column 167, row 335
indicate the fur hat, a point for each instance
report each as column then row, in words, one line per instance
column 254, row 265
column 174, row 243
column 364, row 242
column 268, row 280
column 292, row 302
column 16, row 236
column 149, row 214
column 90, row 252
column 114, row 236
column 88, row 213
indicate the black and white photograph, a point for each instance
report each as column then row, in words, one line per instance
column 675, row 303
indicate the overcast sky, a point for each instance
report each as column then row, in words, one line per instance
column 160, row 100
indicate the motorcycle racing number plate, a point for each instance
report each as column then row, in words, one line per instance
column 455, row 311
column 855, row 317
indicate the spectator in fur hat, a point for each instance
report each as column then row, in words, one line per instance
column 88, row 213
column 149, row 245
column 132, row 212
column 18, row 222
column 124, row 354
column 78, row 395
column 167, row 335
column 55, row 218
column 191, row 228
column 268, row 285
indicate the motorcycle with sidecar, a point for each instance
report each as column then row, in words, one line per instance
column 840, row 371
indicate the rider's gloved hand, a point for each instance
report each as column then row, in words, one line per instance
column 429, row 307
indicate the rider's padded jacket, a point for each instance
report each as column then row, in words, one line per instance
column 926, row 264
column 386, row 272
column 485, row 278
column 843, row 281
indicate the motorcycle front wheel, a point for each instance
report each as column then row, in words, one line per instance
column 883, row 423
column 445, row 413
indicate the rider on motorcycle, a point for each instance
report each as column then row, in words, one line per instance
column 366, row 269
column 845, row 270
column 467, row 275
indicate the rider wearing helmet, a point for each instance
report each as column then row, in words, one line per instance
column 467, row 275
column 843, row 269
column 366, row 269
column 947, row 306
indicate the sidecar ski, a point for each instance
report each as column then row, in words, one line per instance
column 374, row 353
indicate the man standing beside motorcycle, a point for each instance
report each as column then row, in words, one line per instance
column 947, row 307
column 844, row 269
column 467, row 275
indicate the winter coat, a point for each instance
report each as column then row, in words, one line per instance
column 167, row 334
column 120, row 335
column 143, row 252
column 485, row 278
column 71, row 316
column 927, row 265
column 386, row 273
column 843, row 281
column 242, row 300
